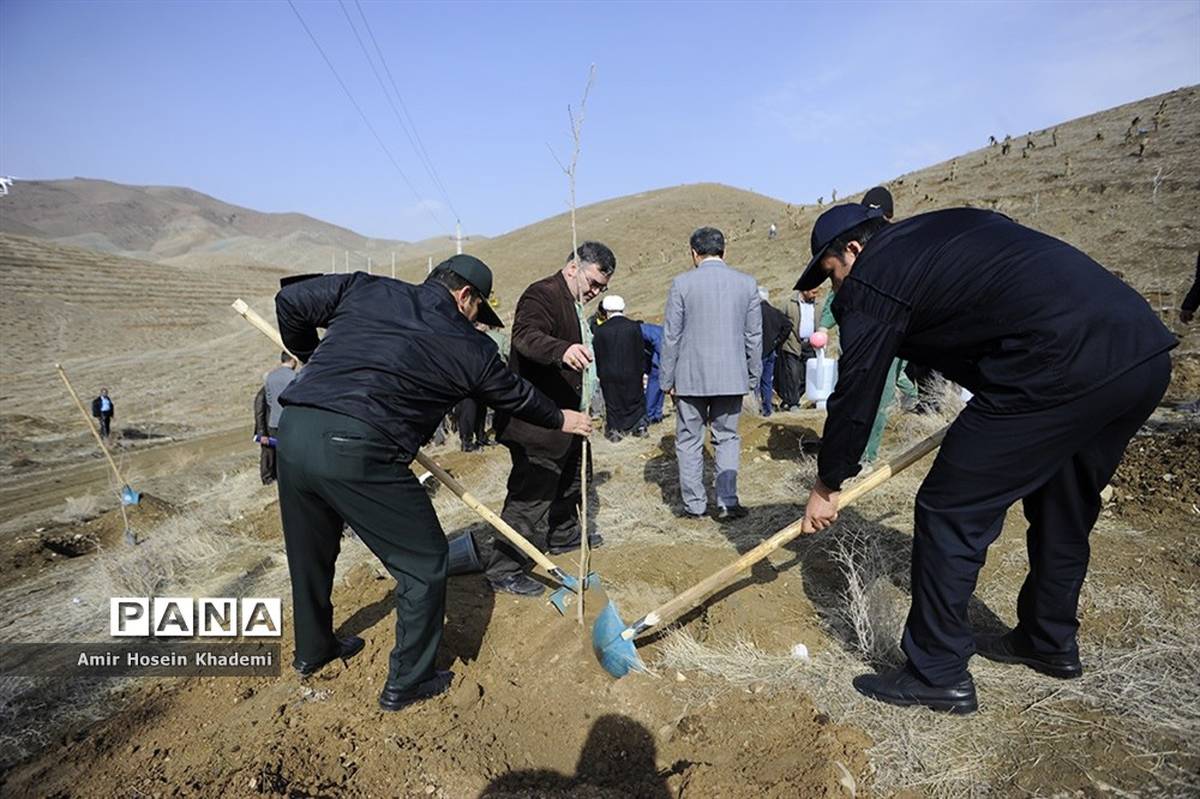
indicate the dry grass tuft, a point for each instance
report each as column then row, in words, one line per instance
column 79, row 509
column 1139, row 698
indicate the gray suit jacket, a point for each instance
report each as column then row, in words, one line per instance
column 712, row 333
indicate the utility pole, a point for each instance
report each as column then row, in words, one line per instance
column 368, row 264
column 347, row 262
column 393, row 266
column 429, row 269
column 458, row 236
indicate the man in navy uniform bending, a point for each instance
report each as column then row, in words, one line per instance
column 1065, row 363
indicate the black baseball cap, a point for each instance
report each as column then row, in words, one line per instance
column 880, row 198
column 831, row 224
column 477, row 273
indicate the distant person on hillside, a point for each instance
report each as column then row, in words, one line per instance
column 620, row 367
column 712, row 358
column 267, row 411
column 1187, row 309
column 394, row 359
column 652, row 343
column 772, row 231
column 1062, row 378
column 103, row 409
column 776, row 328
column 801, row 311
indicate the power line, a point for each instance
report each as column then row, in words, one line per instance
column 366, row 121
column 420, row 144
column 417, row 144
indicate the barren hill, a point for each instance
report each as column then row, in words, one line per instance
column 161, row 334
column 165, row 223
column 1095, row 193
column 180, row 363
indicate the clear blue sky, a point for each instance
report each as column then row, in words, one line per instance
column 791, row 100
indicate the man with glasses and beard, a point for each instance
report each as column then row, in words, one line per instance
column 548, row 350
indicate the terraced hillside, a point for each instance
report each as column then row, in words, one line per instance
column 161, row 337
column 1081, row 181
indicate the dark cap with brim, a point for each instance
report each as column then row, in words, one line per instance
column 477, row 273
column 831, row 224
column 880, row 198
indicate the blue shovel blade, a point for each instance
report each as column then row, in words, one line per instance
column 616, row 655
column 570, row 585
column 129, row 496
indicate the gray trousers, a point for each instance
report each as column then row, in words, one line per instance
column 692, row 415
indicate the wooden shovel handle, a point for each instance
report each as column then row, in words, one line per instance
column 486, row 513
column 701, row 590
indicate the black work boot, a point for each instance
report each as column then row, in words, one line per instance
column 347, row 648
column 1013, row 647
column 595, row 541
column 393, row 699
column 903, row 687
column 520, row 584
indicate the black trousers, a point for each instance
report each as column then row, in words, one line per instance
column 1056, row 461
column 335, row 469
column 542, row 504
column 105, row 423
column 266, row 458
column 471, row 418
column 789, row 378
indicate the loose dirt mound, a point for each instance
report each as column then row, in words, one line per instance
column 33, row 553
column 530, row 713
column 1158, row 482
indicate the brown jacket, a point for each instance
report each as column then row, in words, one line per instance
column 544, row 326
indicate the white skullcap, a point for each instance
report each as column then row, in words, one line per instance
column 613, row 302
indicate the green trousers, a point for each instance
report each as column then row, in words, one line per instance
column 334, row 469
column 895, row 379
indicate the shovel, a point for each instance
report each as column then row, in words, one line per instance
column 567, row 582
column 612, row 639
column 127, row 494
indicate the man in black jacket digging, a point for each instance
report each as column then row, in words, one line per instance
column 1065, row 363
column 395, row 358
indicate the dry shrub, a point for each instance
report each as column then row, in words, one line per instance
column 79, row 509
column 1139, row 698
column 870, row 608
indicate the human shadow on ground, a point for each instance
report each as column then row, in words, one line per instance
column 790, row 441
column 619, row 758
column 784, row 441
column 662, row 470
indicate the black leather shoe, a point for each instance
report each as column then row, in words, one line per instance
column 1013, row 648
column 348, row 647
column 732, row 512
column 903, row 687
column 519, row 584
column 595, row 541
column 687, row 514
column 393, row 699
